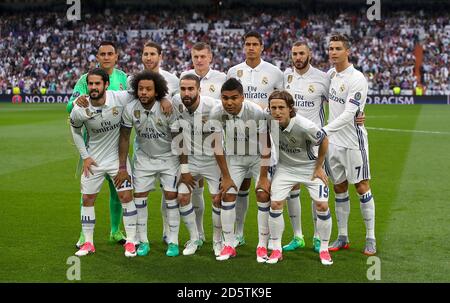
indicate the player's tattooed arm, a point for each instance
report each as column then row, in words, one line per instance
column 319, row 172
column 124, row 143
column 166, row 106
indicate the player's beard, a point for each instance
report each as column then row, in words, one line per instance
column 99, row 94
column 299, row 65
column 147, row 101
column 189, row 101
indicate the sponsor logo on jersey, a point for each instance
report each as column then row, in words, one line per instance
column 311, row 88
column 89, row 113
column 240, row 73
column 115, row 111
column 212, row 88
column 265, row 81
column 137, row 114
column 358, row 96
column 290, row 78
column 342, row 88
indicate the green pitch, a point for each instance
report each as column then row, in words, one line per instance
column 39, row 220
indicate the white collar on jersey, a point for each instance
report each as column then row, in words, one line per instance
column 257, row 68
column 305, row 75
column 348, row 70
column 290, row 125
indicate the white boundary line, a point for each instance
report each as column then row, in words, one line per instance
column 409, row 131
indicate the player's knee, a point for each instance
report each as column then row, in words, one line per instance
column 276, row 205
column 341, row 187
column 170, row 195
column 229, row 197
column 362, row 187
column 321, row 206
column 88, row 200
column 262, row 196
column 216, row 201
column 141, row 195
column 125, row 196
column 183, row 199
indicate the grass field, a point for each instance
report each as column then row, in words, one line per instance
column 39, row 220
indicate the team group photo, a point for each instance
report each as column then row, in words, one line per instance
column 224, row 142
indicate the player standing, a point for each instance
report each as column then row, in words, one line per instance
column 101, row 156
column 259, row 79
column 210, row 83
column 348, row 155
column 107, row 57
column 298, row 162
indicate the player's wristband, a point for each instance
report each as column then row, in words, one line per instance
column 184, row 168
column 122, row 167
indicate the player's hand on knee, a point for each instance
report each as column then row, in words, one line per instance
column 166, row 106
column 188, row 180
column 264, row 185
column 82, row 101
column 226, row 185
column 87, row 163
column 121, row 176
column 320, row 173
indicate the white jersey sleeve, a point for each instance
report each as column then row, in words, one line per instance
column 354, row 103
column 77, row 119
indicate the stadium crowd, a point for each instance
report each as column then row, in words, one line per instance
column 45, row 50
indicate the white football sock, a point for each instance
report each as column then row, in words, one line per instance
column 199, row 206
column 88, row 223
column 294, row 210
column 130, row 220
column 228, row 218
column 367, row 204
column 276, row 227
column 217, row 224
column 324, row 227
column 314, row 216
column 188, row 215
column 173, row 220
column 142, row 217
column 263, row 223
column 342, row 212
column 241, row 211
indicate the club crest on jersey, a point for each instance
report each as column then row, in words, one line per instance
column 358, row 96
column 180, row 108
column 342, row 88
column 332, row 75
column 290, row 77
column 311, row 89
column 212, row 88
column 89, row 113
column 240, row 73
column 115, row 111
column 137, row 114
column 265, row 81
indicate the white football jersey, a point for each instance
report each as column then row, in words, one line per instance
column 153, row 128
column 296, row 142
column 102, row 125
column 210, row 84
column 347, row 97
column 309, row 91
column 258, row 82
column 194, row 124
column 240, row 131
